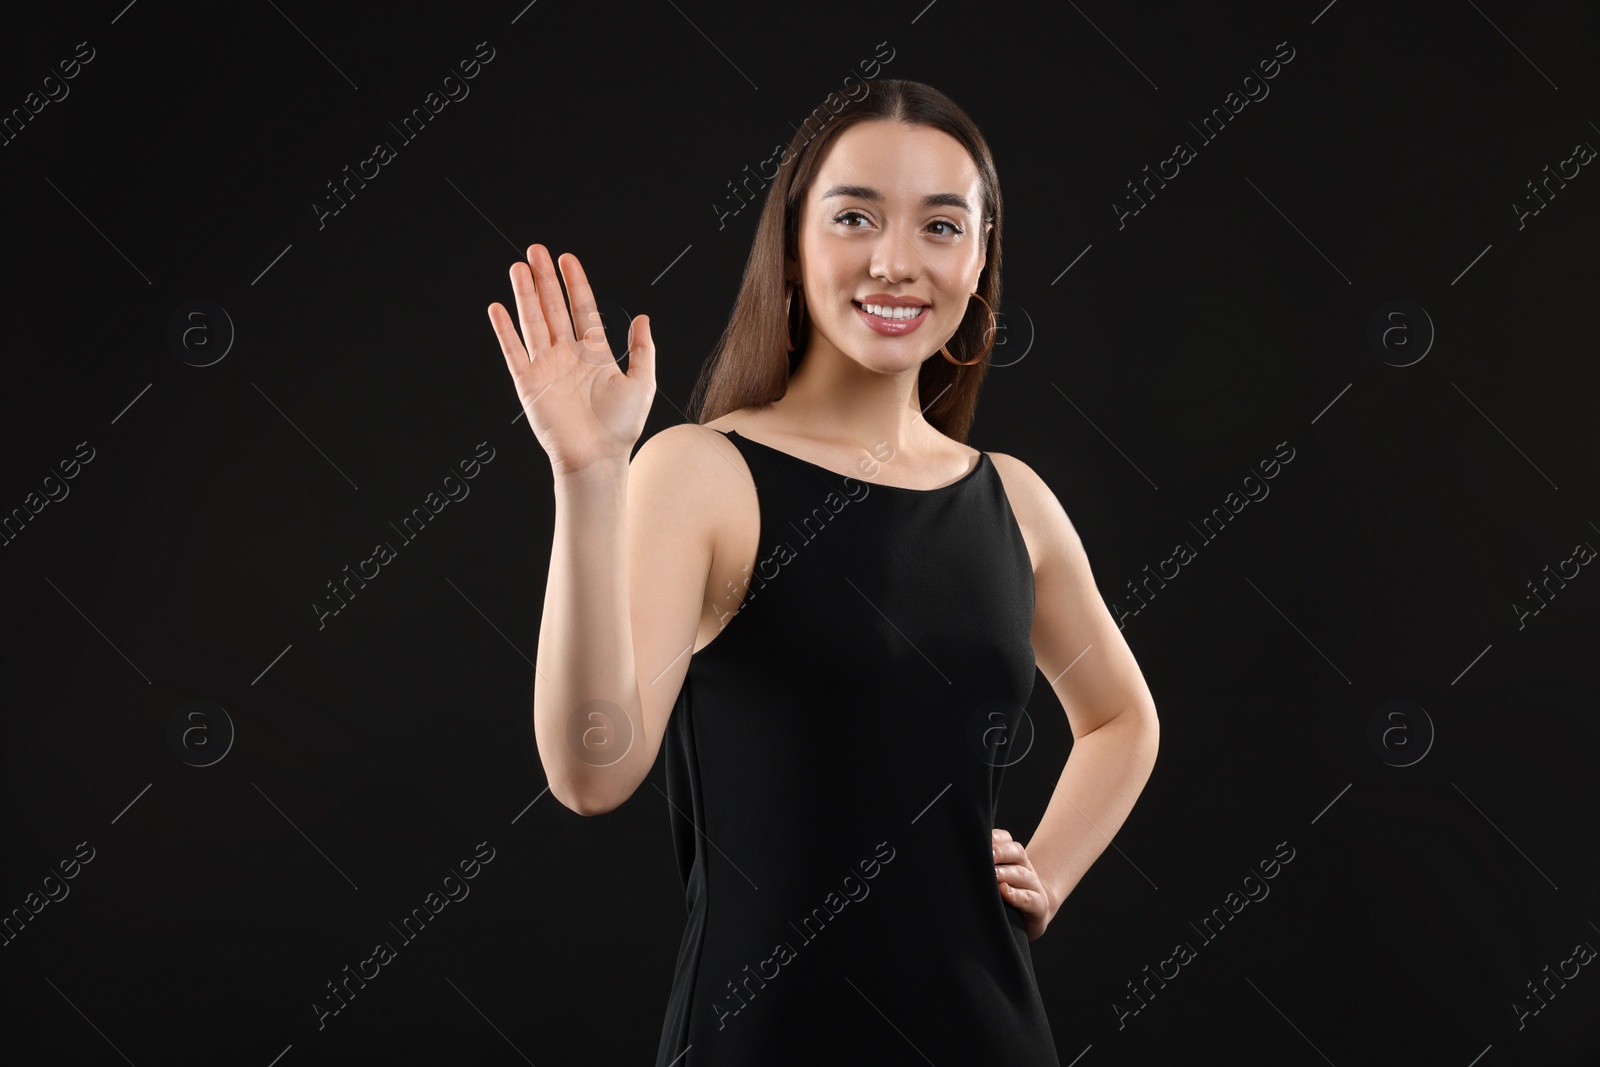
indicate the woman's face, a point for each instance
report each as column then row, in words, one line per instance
column 893, row 211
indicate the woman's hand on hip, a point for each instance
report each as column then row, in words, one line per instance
column 1020, row 885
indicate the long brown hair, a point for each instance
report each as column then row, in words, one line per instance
column 751, row 364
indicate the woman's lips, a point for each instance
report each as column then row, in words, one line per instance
column 892, row 327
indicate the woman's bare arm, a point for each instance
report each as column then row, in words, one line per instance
column 587, row 414
column 587, row 716
column 623, row 602
column 1078, row 647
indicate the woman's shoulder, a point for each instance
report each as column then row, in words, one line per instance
column 687, row 454
column 688, row 445
column 1027, row 491
column 1039, row 513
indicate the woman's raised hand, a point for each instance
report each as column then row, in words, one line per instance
column 583, row 409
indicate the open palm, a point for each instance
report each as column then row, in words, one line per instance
column 581, row 406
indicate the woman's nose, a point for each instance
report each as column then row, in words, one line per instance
column 893, row 254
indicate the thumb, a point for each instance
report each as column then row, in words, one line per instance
column 642, row 351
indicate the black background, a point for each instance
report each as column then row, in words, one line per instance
column 1229, row 315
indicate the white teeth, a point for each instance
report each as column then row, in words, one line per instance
column 892, row 312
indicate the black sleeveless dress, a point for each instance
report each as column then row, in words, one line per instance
column 833, row 762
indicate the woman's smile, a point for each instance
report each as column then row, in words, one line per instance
column 891, row 319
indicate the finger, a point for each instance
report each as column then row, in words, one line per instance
column 510, row 344
column 1009, row 851
column 535, row 334
column 1004, row 835
column 1027, row 901
column 642, row 351
column 585, row 318
column 550, row 302
column 522, row 369
column 1019, row 876
column 1013, row 895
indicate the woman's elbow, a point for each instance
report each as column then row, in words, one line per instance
column 590, row 801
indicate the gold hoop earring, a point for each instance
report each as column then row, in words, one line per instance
column 987, row 348
column 787, row 296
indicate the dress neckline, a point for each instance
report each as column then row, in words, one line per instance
column 983, row 460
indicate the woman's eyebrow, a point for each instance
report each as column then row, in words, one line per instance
column 862, row 192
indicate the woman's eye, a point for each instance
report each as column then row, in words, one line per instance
column 952, row 230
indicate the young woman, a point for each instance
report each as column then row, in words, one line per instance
column 829, row 610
